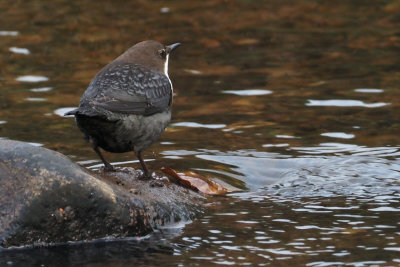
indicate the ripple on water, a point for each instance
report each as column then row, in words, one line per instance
column 9, row 33
column 35, row 99
column 276, row 145
column 313, row 205
column 165, row 10
column 281, row 240
column 284, row 136
column 368, row 90
column 340, row 176
column 339, row 135
column 248, row 92
column 41, row 89
column 343, row 149
column 178, row 152
column 195, row 72
column 198, row 125
column 344, row 103
column 35, row 144
column 331, row 169
column 19, row 50
column 117, row 163
column 392, row 209
column 32, row 79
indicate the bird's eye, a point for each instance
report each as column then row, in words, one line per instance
column 162, row 53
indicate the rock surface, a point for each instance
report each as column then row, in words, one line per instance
column 45, row 198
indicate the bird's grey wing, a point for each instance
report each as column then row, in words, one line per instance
column 129, row 89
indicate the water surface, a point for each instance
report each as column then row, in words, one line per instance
column 294, row 103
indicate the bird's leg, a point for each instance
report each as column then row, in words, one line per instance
column 107, row 166
column 146, row 173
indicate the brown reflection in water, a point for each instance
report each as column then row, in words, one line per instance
column 300, row 50
column 325, row 232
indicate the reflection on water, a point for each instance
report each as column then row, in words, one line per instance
column 138, row 251
column 35, row 144
column 248, row 92
column 271, row 228
column 344, row 103
column 19, row 50
column 339, row 170
column 316, row 160
column 197, row 125
column 9, row 33
column 89, row 163
column 195, row 72
column 32, row 79
column 368, row 90
column 284, row 136
column 339, row 135
column 35, row 99
column 41, row 89
column 275, row 145
column 346, row 149
column 165, row 10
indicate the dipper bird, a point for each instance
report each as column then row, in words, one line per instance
column 128, row 103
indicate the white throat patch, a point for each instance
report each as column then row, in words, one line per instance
column 166, row 70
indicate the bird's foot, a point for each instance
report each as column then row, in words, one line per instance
column 108, row 168
column 145, row 176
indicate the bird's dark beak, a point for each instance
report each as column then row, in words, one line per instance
column 172, row 47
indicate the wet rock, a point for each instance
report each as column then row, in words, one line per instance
column 45, row 198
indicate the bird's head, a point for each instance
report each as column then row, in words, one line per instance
column 150, row 54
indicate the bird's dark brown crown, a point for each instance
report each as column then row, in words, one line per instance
column 150, row 54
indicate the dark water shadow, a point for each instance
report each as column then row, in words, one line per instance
column 133, row 250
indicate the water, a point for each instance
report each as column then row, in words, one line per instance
column 293, row 103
